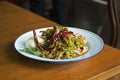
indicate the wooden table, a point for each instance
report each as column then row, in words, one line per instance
column 15, row 21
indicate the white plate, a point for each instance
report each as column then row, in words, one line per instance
column 95, row 44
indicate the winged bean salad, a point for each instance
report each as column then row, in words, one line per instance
column 56, row 43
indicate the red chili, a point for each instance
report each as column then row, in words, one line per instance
column 57, row 36
column 36, row 41
column 68, row 33
column 55, row 32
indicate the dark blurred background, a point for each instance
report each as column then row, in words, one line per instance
column 91, row 15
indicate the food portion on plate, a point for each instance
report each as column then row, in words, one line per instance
column 56, row 43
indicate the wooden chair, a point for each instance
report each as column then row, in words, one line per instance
column 111, row 37
column 114, row 20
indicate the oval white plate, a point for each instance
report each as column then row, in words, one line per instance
column 95, row 44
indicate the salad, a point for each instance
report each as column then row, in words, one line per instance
column 56, row 43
